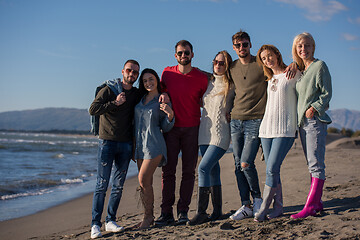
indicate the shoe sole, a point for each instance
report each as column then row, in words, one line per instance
column 98, row 236
column 249, row 216
column 122, row 229
column 168, row 223
column 182, row 222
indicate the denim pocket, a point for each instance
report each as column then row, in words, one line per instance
column 252, row 128
column 312, row 120
column 235, row 126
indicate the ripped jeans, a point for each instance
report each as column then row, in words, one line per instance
column 245, row 140
column 110, row 152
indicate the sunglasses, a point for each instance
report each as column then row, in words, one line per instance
column 128, row 71
column 244, row 45
column 180, row 53
column 221, row 63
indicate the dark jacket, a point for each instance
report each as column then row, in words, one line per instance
column 116, row 122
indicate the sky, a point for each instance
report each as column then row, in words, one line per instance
column 54, row 53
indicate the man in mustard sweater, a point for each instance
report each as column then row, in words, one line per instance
column 246, row 116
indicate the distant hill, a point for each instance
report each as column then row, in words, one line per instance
column 345, row 118
column 45, row 119
column 72, row 119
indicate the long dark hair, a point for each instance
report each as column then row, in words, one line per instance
column 142, row 89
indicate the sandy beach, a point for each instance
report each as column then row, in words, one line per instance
column 339, row 220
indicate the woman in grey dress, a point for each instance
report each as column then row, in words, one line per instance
column 151, row 120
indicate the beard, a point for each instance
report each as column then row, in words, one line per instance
column 243, row 55
column 184, row 62
column 129, row 80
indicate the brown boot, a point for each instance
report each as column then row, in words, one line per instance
column 148, row 203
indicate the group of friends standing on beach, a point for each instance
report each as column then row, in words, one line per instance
column 250, row 101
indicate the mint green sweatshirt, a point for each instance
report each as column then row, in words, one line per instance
column 314, row 89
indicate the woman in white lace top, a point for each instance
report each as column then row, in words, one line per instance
column 278, row 127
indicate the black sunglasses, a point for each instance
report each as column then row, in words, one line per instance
column 180, row 53
column 221, row 63
column 244, row 45
column 128, row 71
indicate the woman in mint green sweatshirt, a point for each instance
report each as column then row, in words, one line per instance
column 314, row 93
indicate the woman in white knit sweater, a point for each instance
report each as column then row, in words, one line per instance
column 214, row 137
column 278, row 127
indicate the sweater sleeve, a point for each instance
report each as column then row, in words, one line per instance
column 102, row 103
column 323, row 82
column 230, row 99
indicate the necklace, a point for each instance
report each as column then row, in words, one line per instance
column 274, row 83
column 246, row 71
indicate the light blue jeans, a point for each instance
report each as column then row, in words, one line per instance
column 110, row 152
column 209, row 167
column 245, row 140
column 312, row 134
column 275, row 150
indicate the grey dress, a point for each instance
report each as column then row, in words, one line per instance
column 150, row 123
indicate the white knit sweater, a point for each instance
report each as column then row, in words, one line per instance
column 214, row 128
column 280, row 118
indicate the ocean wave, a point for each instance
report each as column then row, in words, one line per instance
column 71, row 181
column 23, row 186
column 59, row 155
column 25, row 194
column 83, row 143
column 44, row 163
column 38, row 183
column 35, row 187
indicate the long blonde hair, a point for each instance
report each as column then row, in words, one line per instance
column 268, row 71
column 227, row 77
column 295, row 55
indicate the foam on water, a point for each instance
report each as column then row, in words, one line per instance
column 38, row 171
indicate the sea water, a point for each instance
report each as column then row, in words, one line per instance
column 38, row 171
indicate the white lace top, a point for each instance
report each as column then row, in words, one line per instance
column 280, row 118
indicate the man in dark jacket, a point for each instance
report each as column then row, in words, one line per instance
column 115, row 144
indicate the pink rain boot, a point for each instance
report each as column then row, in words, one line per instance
column 319, row 207
column 313, row 199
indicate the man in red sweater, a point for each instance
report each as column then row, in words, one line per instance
column 185, row 86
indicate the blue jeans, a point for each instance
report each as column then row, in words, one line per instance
column 275, row 150
column 312, row 135
column 209, row 167
column 110, row 152
column 245, row 140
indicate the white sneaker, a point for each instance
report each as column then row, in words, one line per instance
column 257, row 205
column 95, row 232
column 111, row 226
column 241, row 213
